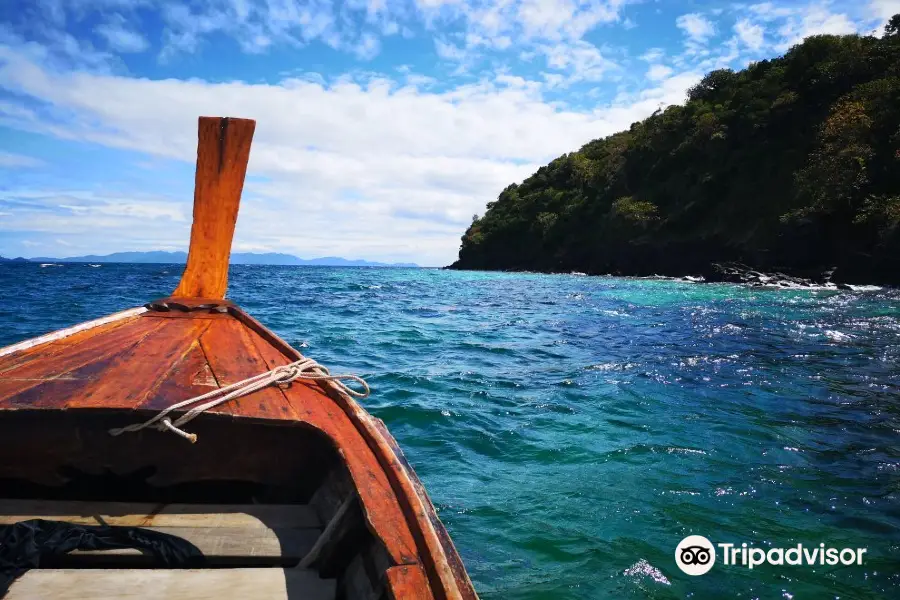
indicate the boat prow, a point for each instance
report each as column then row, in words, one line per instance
column 292, row 490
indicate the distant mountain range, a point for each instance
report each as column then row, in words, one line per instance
column 237, row 258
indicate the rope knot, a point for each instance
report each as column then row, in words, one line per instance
column 305, row 368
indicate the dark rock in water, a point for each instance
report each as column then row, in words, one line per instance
column 736, row 272
column 826, row 275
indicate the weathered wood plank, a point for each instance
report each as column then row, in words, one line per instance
column 190, row 377
column 60, row 334
column 223, row 150
column 253, row 516
column 232, row 358
column 93, row 351
column 50, row 348
column 345, row 520
column 132, row 376
column 408, row 582
column 238, row 546
column 172, row 584
column 184, row 315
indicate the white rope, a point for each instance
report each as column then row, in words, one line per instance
column 305, row 368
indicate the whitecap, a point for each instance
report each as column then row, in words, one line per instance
column 644, row 569
column 837, row 336
column 610, row 366
column 676, row 450
column 865, row 288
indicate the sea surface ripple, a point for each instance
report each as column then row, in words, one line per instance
column 572, row 430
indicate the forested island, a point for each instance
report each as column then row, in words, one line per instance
column 792, row 165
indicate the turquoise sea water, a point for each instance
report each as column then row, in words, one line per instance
column 572, row 430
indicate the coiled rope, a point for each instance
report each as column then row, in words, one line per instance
column 305, row 368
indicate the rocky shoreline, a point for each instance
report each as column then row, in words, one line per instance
column 727, row 272
column 736, row 272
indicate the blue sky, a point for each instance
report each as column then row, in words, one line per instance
column 382, row 125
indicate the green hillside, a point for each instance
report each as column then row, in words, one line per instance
column 791, row 164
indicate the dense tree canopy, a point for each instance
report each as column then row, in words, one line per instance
column 792, row 163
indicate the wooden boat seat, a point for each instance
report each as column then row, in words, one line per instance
column 228, row 535
column 172, row 584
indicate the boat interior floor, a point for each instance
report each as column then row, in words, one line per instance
column 296, row 529
column 250, row 551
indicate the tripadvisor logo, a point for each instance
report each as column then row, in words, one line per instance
column 696, row 555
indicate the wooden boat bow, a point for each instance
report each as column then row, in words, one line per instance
column 303, row 449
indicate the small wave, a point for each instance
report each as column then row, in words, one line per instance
column 790, row 285
column 578, row 274
column 95, row 266
column 865, row 288
column 837, row 336
column 49, row 265
column 611, row 366
column 644, row 569
column 676, row 450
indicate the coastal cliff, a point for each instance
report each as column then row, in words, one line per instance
column 792, row 164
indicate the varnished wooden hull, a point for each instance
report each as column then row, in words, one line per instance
column 60, row 393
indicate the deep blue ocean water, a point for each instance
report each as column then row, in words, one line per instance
column 572, row 430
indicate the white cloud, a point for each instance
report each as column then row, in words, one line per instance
column 136, row 222
column 751, row 34
column 884, row 9
column 367, row 47
column 449, row 51
column 815, row 20
column 768, row 11
column 9, row 159
column 365, row 168
column 583, row 61
column 652, row 55
column 257, row 24
column 557, row 19
column 658, row 72
column 524, row 20
column 777, row 26
column 120, row 37
column 696, row 27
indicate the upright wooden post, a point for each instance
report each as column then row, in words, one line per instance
column 223, row 150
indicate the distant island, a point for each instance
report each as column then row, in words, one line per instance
column 791, row 165
column 237, row 258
